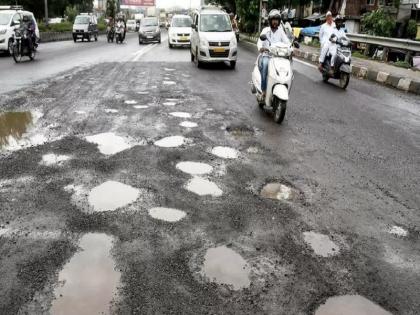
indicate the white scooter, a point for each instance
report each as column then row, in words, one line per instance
column 279, row 79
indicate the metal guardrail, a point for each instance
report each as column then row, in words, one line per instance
column 387, row 42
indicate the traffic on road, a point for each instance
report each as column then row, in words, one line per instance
column 178, row 169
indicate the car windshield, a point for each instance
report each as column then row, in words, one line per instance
column 215, row 23
column 5, row 18
column 82, row 20
column 182, row 22
column 149, row 22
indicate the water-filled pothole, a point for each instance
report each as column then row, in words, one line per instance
column 171, row 142
column 222, row 265
column 13, row 125
column 169, row 103
column 109, row 143
column 278, row 191
column 111, row 111
column 240, row 130
column 188, row 124
column 321, row 244
column 140, row 106
column 53, row 159
column 225, row 152
column 180, row 114
column 167, row 214
column 169, row 82
column 142, row 92
column 130, row 102
column 112, row 195
column 398, row 231
column 88, row 282
column 194, row 168
column 203, row 187
column 169, row 69
column 350, row 305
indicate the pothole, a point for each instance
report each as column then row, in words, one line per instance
column 225, row 152
column 109, row 143
column 188, row 124
column 222, row 265
column 112, row 195
column 194, row 168
column 171, row 142
column 54, row 159
column 398, row 231
column 111, row 111
column 167, row 214
column 88, row 282
column 253, row 150
column 278, row 191
column 240, row 131
column 350, row 305
column 203, row 187
column 130, row 102
column 140, row 106
column 169, row 103
column 321, row 244
column 180, row 114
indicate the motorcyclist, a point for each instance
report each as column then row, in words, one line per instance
column 330, row 48
column 121, row 22
column 275, row 34
column 28, row 26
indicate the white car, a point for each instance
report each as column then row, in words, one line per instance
column 179, row 32
column 11, row 18
column 213, row 39
column 131, row 25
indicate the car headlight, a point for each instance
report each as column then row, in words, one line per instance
column 3, row 31
column 204, row 42
column 233, row 42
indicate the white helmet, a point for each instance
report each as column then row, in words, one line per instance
column 274, row 14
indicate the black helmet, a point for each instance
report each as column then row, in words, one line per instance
column 25, row 18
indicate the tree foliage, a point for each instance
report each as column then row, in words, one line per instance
column 411, row 31
column 379, row 23
column 71, row 12
column 111, row 8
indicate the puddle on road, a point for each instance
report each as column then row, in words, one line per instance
column 88, row 282
column 143, row 92
column 194, row 168
column 167, row 214
column 180, row 114
column 224, row 266
column 54, row 159
column 172, row 100
column 171, row 142
column 169, row 103
column 12, row 126
column 109, row 143
column 277, row 191
column 350, row 305
column 203, row 187
column 321, row 244
column 112, row 195
column 188, row 124
column 169, row 69
column 140, row 106
column 130, row 102
column 169, row 82
column 80, row 112
column 225, row 152
column 398, row 231
column 111, row 111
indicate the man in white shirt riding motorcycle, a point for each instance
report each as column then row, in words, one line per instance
column 275, row 33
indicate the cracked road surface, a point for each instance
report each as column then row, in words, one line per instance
column 100, row 210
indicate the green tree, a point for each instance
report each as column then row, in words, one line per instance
column 379, row 23
column 71, row 12
column 411, row 31
column 111, row 8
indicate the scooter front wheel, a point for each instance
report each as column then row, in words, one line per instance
column 279, row 108
column 344, row 80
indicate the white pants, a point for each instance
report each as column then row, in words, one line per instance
column 329, row 49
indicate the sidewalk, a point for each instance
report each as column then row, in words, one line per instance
column 383, row 73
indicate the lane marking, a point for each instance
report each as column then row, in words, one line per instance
column 305, row 63
column 146, row 49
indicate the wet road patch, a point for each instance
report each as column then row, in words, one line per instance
column 54, row 159
column 88, row 282
column 278, row 191
column 140, row 106
column 350, row 305
column 171, row 142
column 194, row 168
column 112, row 195
column 169, row 103
column 321, row 244
column 12, row 126
column 169, row 82
column 398, row 231
column 225, row 152
column 203, row 187
column 111, row 111
column 130, row 102
column 180, row 114
column 109, row 143
column 188, row 124
column 240, row 130
column 167, row 214
column 223, row 265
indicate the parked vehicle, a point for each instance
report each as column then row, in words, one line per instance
column 342, row 64
column 280, row 78
column 21, row 46
column 179, row 33
column 85, row 27
column 212, row 38
column 10, row 19
column 149, row 30
column 131, row 25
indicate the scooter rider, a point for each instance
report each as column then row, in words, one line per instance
column 275, row 33
column 29, row 27
column 327, row 29
column 330, row 48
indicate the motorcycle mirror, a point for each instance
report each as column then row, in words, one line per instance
column 296, row 44
column 263, row 37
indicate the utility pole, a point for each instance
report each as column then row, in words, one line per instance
column 259, row 18
column 46, row 11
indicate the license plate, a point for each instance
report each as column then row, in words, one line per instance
column 149, row 36
column 218, row 50
column 184, row 38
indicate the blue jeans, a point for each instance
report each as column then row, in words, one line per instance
column 263, row 66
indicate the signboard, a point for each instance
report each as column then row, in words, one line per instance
column 138, row 3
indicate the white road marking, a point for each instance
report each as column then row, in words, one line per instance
column 305, row 63
column 145, row 50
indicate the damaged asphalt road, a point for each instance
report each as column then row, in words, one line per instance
column 95, row 192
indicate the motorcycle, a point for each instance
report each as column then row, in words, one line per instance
column 342, row 68
column 119, row 33
column 21, row 46
column 279, row 79
column 110, row 33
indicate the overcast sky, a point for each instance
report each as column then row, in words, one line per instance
column 179, row 3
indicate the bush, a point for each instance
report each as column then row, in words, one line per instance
column 379, row 23
column 402, row 64
column 59, row 27
column 411, row 31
